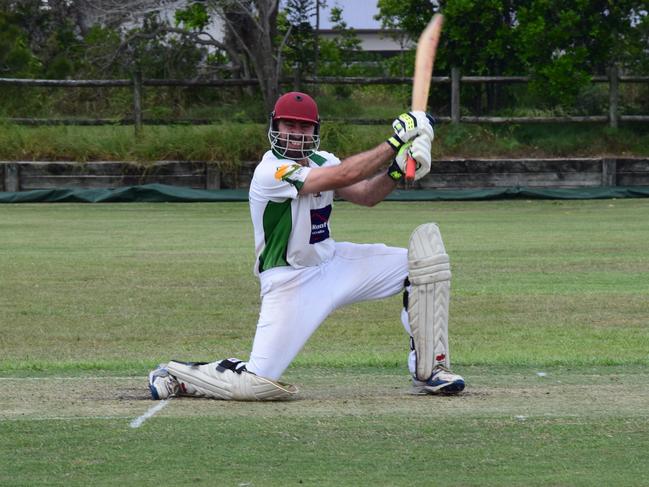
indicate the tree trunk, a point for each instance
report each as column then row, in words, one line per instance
column 265, row 57
column 254, row 25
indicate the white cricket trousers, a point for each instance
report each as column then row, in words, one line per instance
column 294, row 302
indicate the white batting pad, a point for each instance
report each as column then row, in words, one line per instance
column 428, row 298
column 217, row 382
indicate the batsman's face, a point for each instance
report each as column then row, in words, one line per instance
column 296, row 136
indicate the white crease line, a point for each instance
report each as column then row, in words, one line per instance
column 136, row 423
column 93, row 378
column 60, row 418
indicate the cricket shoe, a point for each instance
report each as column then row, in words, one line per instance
column 162, row 384
column 443, row 381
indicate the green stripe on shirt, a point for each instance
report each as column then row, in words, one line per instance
column 278, row 224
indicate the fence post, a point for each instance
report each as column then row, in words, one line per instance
column 12, row 178
column 609, row 172
column 212, row 176
column 613, row 96
column 137, row 101
column 455, row 95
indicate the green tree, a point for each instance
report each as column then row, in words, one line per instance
column 299, row 49
column 477, row 36
column 340, row 54
column 251, row 39
column 16, row 58
column 559, row 42
column 49, row 33
column 563, row 42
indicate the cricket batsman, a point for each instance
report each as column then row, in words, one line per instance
column 305, row 274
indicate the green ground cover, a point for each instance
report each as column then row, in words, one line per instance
column 233, row 143
column 548, row 325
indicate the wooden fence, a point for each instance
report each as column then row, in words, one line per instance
column 446, row 174
column 455, row 80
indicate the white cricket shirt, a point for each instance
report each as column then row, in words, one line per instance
column 290, row 229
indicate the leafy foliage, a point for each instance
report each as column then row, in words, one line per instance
column 16, row 57
column 562, row 43
column 559, row 42
column 342, row 53
column 299, row 52
column 194, row 16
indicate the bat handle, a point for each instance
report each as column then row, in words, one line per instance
column 411, row 167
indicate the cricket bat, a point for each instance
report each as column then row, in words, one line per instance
column 424, row 61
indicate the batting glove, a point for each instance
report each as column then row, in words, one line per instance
column 408, row 125
column 419, row 149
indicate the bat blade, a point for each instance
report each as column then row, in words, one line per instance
column 424, row 62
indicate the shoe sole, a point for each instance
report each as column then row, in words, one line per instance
column 448, row 388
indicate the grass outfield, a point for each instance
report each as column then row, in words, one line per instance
column 549, row 325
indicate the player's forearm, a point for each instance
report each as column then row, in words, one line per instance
column 379, row 187
column 352, row 170
column 370, row 191
column 365, row 164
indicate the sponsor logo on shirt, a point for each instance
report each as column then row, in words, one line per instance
column 285, row 171
column 320, row 224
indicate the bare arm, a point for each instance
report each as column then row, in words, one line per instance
column 352, row 170
column 370, row 191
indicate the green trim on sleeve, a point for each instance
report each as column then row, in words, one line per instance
column 295, row 182
column 317, row 158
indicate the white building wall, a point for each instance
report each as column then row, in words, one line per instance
column 375, row 40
